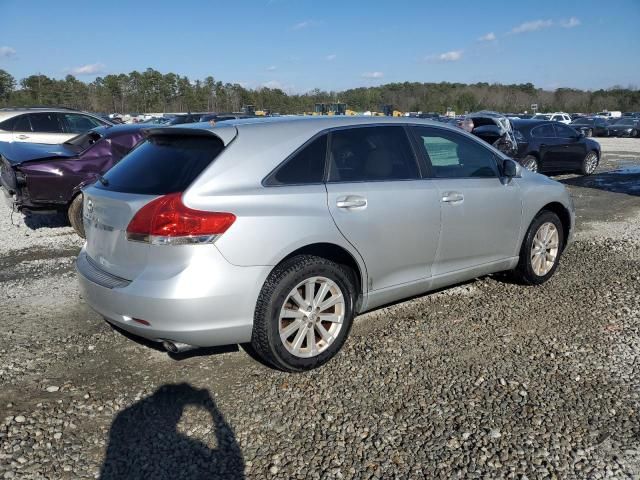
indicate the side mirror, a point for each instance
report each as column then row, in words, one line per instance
column 511, row 168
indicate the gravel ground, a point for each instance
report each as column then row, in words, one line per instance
column 484, row 380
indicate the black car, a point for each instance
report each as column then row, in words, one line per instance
column 591, row 126
column 553, row 147
column 625, row 127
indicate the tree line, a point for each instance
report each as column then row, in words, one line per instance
column 153, row 91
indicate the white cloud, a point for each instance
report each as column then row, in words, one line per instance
column 451, row 56
column 301, row 25
column 372, row 75
column 6, row 52
column 489, row 37
column 331, row 57
column 572, row 22
column 271, row 68
column 532, row 26
column 89, row 69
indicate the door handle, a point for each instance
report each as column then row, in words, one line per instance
column 452, row 197
column 351, row 201
column 22, row 136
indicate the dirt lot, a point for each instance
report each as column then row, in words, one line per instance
column 485, row 380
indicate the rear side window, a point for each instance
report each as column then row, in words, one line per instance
column 162, row 164
column 454, row 156
column 371, row 154
column 22, row 124
column 7, row 125
column 45, row 123
column 75, row 123
column 564, row 132
column 305, row 167
column 543, row 131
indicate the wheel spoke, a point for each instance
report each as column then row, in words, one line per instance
column 299, row 300
column 326, row 336
column 309, row 288
column 297, row 342
column 322, row 293
column 288, row 330
column 330, row 302
column 288, row 313
column 330, row 317
column 311, row 341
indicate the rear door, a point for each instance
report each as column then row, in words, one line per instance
column 573, row 150
column 163, row 164
column 381, row 205
column 46, row 127
column 481, row 214
column 549, row 146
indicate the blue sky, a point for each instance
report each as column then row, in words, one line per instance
column 331, row 45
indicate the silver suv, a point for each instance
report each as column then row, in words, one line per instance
column 45, row 125
column 276, row 232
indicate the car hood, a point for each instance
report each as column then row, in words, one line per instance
column 20, row 152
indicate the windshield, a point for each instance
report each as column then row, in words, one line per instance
column 83, row 141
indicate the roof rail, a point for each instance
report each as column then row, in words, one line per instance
column 40, row 107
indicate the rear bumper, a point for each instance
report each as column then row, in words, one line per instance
column 206, row 304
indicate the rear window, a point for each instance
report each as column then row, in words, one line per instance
column 162, row 164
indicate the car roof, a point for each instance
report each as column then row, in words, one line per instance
column 530, row 122
column 9, row 112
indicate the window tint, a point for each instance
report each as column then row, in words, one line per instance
column 75, row 123
column 371, row 154
column 543, row 131
column 45, row 122
column 162, row 164
column 455, row 156
column 7, row 125
column 563, row 131
column 22, row 124
column 306, row 166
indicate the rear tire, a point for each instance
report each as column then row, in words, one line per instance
column 294, row 336
column 541, row 249
column 75, row 215
column 531, row 163
column 589, row 163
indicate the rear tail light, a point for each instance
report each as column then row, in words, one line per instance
column 167, row 221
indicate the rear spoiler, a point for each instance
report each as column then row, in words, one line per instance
column 226, row 133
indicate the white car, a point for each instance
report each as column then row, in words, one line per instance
column 554, row 117
column 45, row 125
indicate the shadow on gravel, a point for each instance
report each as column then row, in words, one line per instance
column 45, row 220
column 144, row 441
column 623, row 180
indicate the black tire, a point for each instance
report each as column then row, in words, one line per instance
column 75, row 215
column 590, row 133
column 588, row 167
column 524, row 271
column 634, row 133
column 530, row 162
column 265, row 339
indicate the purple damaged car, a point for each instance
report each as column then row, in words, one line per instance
column 37, row 178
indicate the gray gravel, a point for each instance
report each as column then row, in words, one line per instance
column 484, row 380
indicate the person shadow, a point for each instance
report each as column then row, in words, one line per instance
column 144, row 441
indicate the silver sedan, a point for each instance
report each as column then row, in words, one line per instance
column 276, row 233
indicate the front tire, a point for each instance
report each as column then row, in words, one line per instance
column 304, row 313
column 541, row 249
column 531, row 163
column 75, row 215
column 590, row 133
column 589, row 163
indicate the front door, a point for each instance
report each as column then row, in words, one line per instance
column 481, row 212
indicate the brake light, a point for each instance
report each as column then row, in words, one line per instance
column 167, row 221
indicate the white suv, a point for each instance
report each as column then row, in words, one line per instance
column 45, row 125
column 554, row 117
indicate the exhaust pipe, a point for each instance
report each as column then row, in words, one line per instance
column 177, row 347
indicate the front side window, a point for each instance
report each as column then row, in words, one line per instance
column 371, row 154
column 75, row 123
column 544, row 131
column 305, row 167
column 455, row 156
column 45, row 123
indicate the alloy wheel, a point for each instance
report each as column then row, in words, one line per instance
column 311, row 317
column 531, row 164
column 544, row 250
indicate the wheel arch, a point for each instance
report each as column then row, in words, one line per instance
column 563, row 214
column 335, row 253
